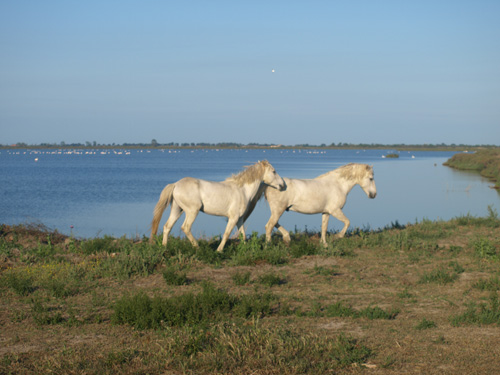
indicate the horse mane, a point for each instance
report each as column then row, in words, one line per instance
column 351, row 171
column 249, row 174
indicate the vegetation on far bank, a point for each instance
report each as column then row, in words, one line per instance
column 486, row 162
column 406, row 299
column 233, row 145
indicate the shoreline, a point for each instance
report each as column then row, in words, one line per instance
column 398, row 147
column 486, row 162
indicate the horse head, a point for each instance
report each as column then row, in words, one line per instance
column 271, row 177
column 367, row 181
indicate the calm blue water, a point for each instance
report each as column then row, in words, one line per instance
column 90, row 193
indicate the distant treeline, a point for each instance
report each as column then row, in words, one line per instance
column 339, row 145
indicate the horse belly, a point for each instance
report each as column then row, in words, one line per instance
column 308, row 198
column 308, row 206
column 217, row 199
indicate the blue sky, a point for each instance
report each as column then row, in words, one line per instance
column 202, row 71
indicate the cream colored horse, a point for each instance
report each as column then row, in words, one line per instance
column 325, row 194
column 234, row 198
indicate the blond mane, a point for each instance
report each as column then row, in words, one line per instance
column 249, row 174
column 352, row 171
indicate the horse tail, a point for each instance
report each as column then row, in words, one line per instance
column 166, row 197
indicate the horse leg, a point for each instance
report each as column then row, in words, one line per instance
column 324, row 227
column 272, row 223
column 284, row 233
column 186, row 226
column 229, row 227
column 241, row 230
column 175, row 213
column 340, row 215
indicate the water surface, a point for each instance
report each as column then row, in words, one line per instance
column 113, row 192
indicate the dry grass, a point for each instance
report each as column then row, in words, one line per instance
column 414, row 300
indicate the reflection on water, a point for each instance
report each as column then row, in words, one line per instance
column 115, row 193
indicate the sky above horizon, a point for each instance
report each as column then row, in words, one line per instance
column 283, row 72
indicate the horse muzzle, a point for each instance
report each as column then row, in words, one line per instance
column 372, row 195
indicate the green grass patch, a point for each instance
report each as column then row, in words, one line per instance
column 492, row 284
column 482, row 314
column 325, row 271
column 425, row 324
column 442, row 275
column 241, row 278
column 229, row 349
column 340, row 309
column 174, row 277
column 483, row 247
column 255, row 250
column 270, row 279
column 211, row 305
column 20, row 282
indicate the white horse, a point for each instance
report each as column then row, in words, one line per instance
column 325, row 194
column 234, row 198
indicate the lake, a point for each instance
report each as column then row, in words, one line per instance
column 90, row 193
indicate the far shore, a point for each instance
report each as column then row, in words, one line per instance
column 191, row 146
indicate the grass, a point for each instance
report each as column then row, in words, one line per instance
column 174, row 277
column 486, row 162
column 482, row 314
column 396, row 300
column 425, row 324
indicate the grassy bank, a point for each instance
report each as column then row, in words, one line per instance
column 486, row 162
column 417, row 299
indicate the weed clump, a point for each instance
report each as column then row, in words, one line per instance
column 425, row 324
column 174, row 277
column 480, row 315
column 144, row 312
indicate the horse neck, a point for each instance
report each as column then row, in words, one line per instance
column 346, row 184
column 252, row 190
